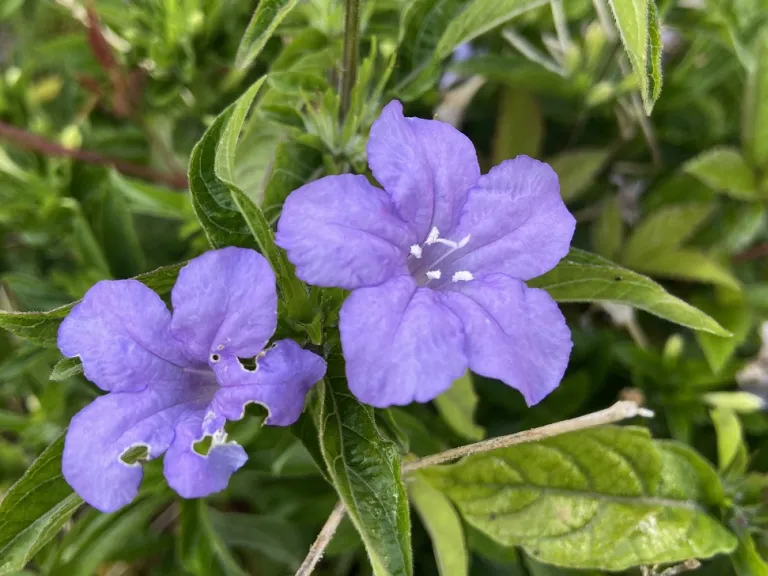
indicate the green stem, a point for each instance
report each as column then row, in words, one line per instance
column 349, row 63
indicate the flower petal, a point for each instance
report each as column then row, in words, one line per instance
column 426, row 166
column 105, row 429
column 280, row 382
column 224, row 302
column 518, row 223
column 195, row 475
column 401, row 343
column 121, row 332
column 514, row 333
column 340, row 231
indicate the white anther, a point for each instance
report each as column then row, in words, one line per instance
column 219, row 437
column 434, row 274
column 434, row 235
column 416, row 251
column 464, row 241
column 462, row 276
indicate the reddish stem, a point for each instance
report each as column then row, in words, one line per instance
column 754, row 253
column 31, row 141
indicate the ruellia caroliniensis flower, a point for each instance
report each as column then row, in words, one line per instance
column 436, row 262
column 173, row 379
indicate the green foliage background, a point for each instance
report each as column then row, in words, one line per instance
column 136, row 135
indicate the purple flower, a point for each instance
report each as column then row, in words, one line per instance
column 175, row 379
column 436, row 263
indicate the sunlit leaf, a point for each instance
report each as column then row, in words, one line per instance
column 646, row 502
column 585, row 277
column 724, row 170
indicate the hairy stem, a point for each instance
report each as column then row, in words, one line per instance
column 321, row 542
column 622, row 410
column 37, row 143
column 349, row 62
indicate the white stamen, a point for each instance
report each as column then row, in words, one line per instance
column 434, row 274
column 464, row 241
column 449, row 243
column 416, row 251
column 219, row 437
column 434, row 235
column 462, row 276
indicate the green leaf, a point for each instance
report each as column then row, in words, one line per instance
column 585, row 277
column 735, row 317
column 107, row 535
column 211, row 180
column 690, row 265
column 9, row 167
column 443, row 525
column 663, row 230
column 88, row 251
column 151, row 200
column 227, row 215
column 608, row 231
column 112, row 225
column 478, row 17
column 295, row 162
column 306, row 431
column 200, row 543
column 255, row 154
column 41, row 328
column 746, row 560
column 265, row 20
column 457, row 407
column 686, row 474
column 577, row 169
column 724, row 170
column 34, row 509
column 729, row 436
column 741, row 402
column 519, row 125
column 638, row 24
column 432, row 29
column 66, row 368
column 365, row 469
column 273, row 537
column 754, row 126
column 643, row 501
column 23, row 548
column 738, row 227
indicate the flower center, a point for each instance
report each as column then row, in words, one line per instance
column 425, row 259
